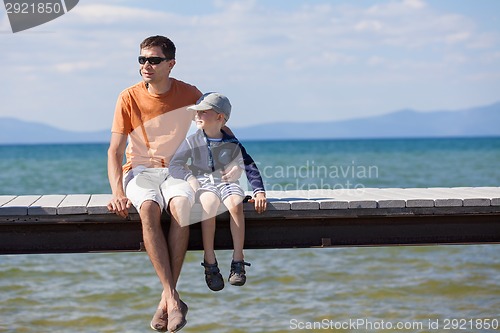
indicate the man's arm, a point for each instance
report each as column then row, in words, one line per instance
column 119, row 203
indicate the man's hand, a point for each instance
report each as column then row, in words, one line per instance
column 260, row 202
column 231, row 173
column 119, row 206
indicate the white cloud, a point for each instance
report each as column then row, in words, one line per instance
column 110, row 14
column 330, row 52
column 369, row 25
column 71, row 67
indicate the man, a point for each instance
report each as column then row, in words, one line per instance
column 152, row 115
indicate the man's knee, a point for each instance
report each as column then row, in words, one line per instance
column 150, row 212
column 180, row 210
column 150, row 206
column 179, row 203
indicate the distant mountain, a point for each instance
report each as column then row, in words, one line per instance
column 14, row 131
column 479, row 121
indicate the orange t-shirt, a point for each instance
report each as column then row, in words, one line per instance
column 156, row 124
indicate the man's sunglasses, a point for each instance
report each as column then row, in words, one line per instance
column 151, row 60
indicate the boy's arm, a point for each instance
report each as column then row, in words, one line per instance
column 177, row 166
column 260, row 202
column 255, row 180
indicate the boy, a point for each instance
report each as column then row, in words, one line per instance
column 212, row 151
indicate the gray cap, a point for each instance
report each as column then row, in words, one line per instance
column 213, row 100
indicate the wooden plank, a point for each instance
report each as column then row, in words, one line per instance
column 98, row 204
column 273, row 204
column 46, row 205
column 74, row 204
column 356, row 198
column 375, row 197
column 304, row 205
column 19, row 205
column 492, row 193
column 414, row 197
column 332, row 199
column 445, row 197
column 5, row 198
column 327, row 204
column 472, row 198
column 369, row 198
column 386, row 198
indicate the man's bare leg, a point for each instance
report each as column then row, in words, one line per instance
column 157, row 249
column 178, row 236
column 178, row 239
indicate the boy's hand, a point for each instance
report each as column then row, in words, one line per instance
column 232, row 174
column 260, row 202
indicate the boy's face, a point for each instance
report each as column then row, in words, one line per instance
column 209, row 119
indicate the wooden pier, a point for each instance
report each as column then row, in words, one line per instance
column 294, row 219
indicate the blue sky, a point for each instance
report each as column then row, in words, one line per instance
column 276, row 60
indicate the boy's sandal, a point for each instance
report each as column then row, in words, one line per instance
column 213, row 277
column 237, row 275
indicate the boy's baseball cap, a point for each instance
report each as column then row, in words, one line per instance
column 213, row 100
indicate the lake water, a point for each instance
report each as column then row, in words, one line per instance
column 352, row 289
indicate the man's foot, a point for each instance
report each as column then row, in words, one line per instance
column 177, row 318
column 237, row 275
column 213, row 277
column 159, row 322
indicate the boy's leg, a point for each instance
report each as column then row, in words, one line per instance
column 209, row 203
column 237, row 223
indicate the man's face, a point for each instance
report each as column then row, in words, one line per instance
column 159, row 72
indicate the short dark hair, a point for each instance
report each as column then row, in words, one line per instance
column 167, row 46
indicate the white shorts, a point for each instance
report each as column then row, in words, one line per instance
column 155, row 184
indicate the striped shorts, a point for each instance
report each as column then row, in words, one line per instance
column 219, row 188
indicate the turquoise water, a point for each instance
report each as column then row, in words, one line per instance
column 303, row 290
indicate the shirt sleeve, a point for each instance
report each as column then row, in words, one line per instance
column 177, row 167
column 122, row 122
column 252, row 172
